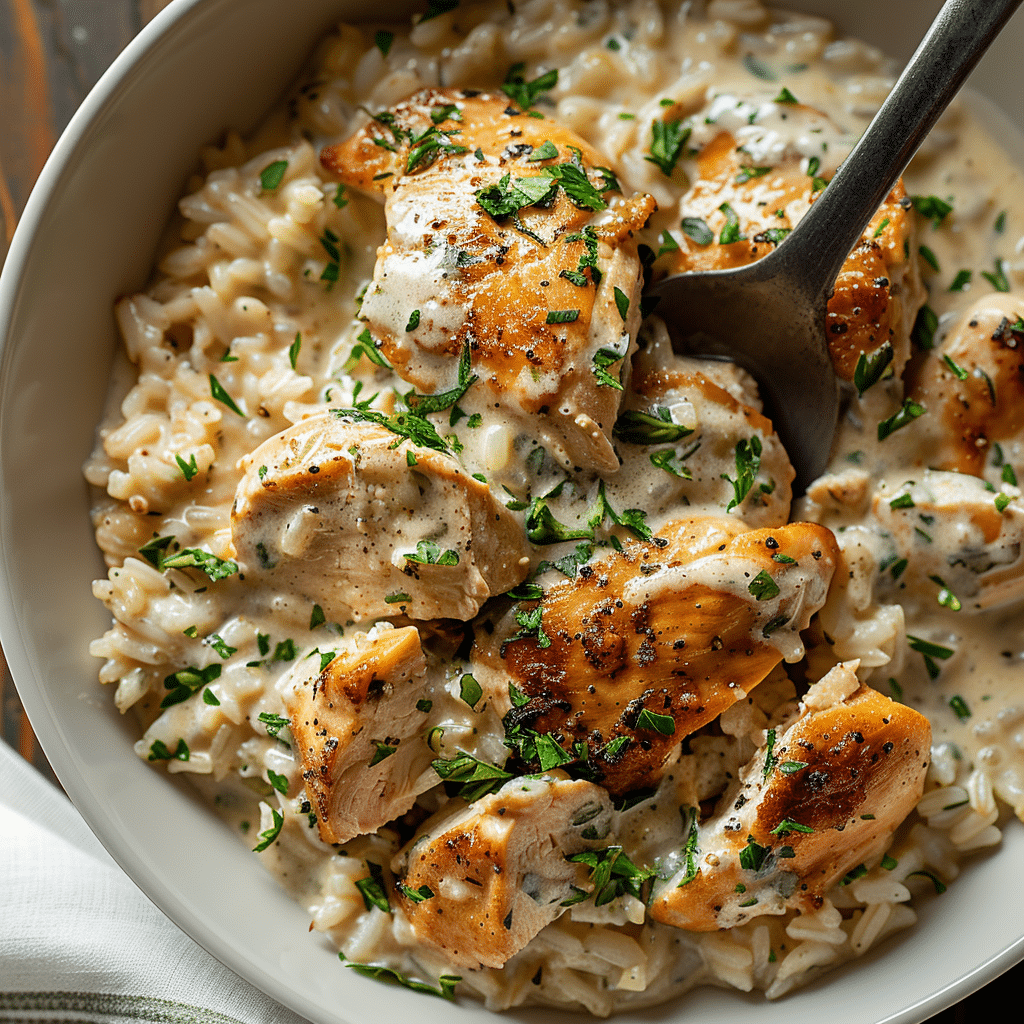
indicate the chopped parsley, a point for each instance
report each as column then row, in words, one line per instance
column 925, row 326
column 667, row 141
column 730, row 233
column 218, row 392
column 186, row 682
column 372, row 888
column 748, row 462
column 997, row 276
column 523, row 93
column 961, row 281
column 603, row 358
column 158, row 751
column 272, row 175
column 763, row 587
column 929, row 257
column 930, row 652
column 909, row 412
column 621, row 303
column 932, row 207
column 269, row 836
column 383, row 40
column 381, row 751
column 429, row 553
column 379, row 972
column 698, row 230
column 612, row 875
column 946, row 597
column 645, row 428
column 471, row 778
column 563, row 316
column 546, row 151
column 470, row 691
column 753, row 855
column 960, row 708
column 870, row 368
column 653, row 722
column 785, row 96
column 188, row 469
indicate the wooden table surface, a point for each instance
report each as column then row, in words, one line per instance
column 51, row 53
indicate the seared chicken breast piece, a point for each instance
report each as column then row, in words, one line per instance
column 748, row 204
column 506, row 238
column 820, row 798
column 947, row 537
column 358, row 731
column 649, row 644
column 973, row 386
column 368, row 524
column 497, row 871
column 676, row 431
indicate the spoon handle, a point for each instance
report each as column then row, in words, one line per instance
column 958, row 37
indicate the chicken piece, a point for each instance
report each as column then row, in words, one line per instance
column 822, row 798
column 649, row 644
column 947, row 537
column 686, row 458
column 504, row 236
column 358, row 730
column 878, row 291
column 333, row 510
column 498, row 870
column 973, row 385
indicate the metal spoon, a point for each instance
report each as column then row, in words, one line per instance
column 769, row 316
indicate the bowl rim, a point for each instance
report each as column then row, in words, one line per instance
column 161, row 32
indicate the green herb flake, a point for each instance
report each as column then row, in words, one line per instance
column 188, row 469
column 752, row 855
column 381, row 751
column 888, row 863
column 272, row 175
column 562, row 316
column 946, row 597
column 925, row 326
column 652, row 722
column 909, row 412
column 470, row 691
column 158, row 751
column 383, row 40
column 935, row 209
column 646, row 428
column 698, row 230
column 792, row 767
column 372, row 888
column 730, row 233
column 960, row 708
column 294, row 349
column 524, row 93
column 785, row 96
column 788, row 825
column 997, row 276
column 278, row 782
column 1002, row 501
column 961, row 281
column 218, row 392
column 388, row 975
column 667, row 141
column 763, row 587
column 269, row 837
column 929, row 257
column 883, row 224
column 748, row 463
column 621, row 303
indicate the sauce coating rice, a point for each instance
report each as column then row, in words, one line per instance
column 457, row 590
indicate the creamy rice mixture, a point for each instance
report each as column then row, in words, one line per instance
column 264, row 315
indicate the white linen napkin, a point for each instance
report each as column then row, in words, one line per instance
column 80, row 943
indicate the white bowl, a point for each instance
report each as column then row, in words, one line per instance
column 88, row 235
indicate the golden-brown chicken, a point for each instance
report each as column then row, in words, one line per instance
column 747, row 210
column 825, row 795
column 497, row 871
column 651, row 643
column 704, row 425
column 366, row 523
column 947, row 537
column 973, row 385
column 506, row 237
column 357, row 726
